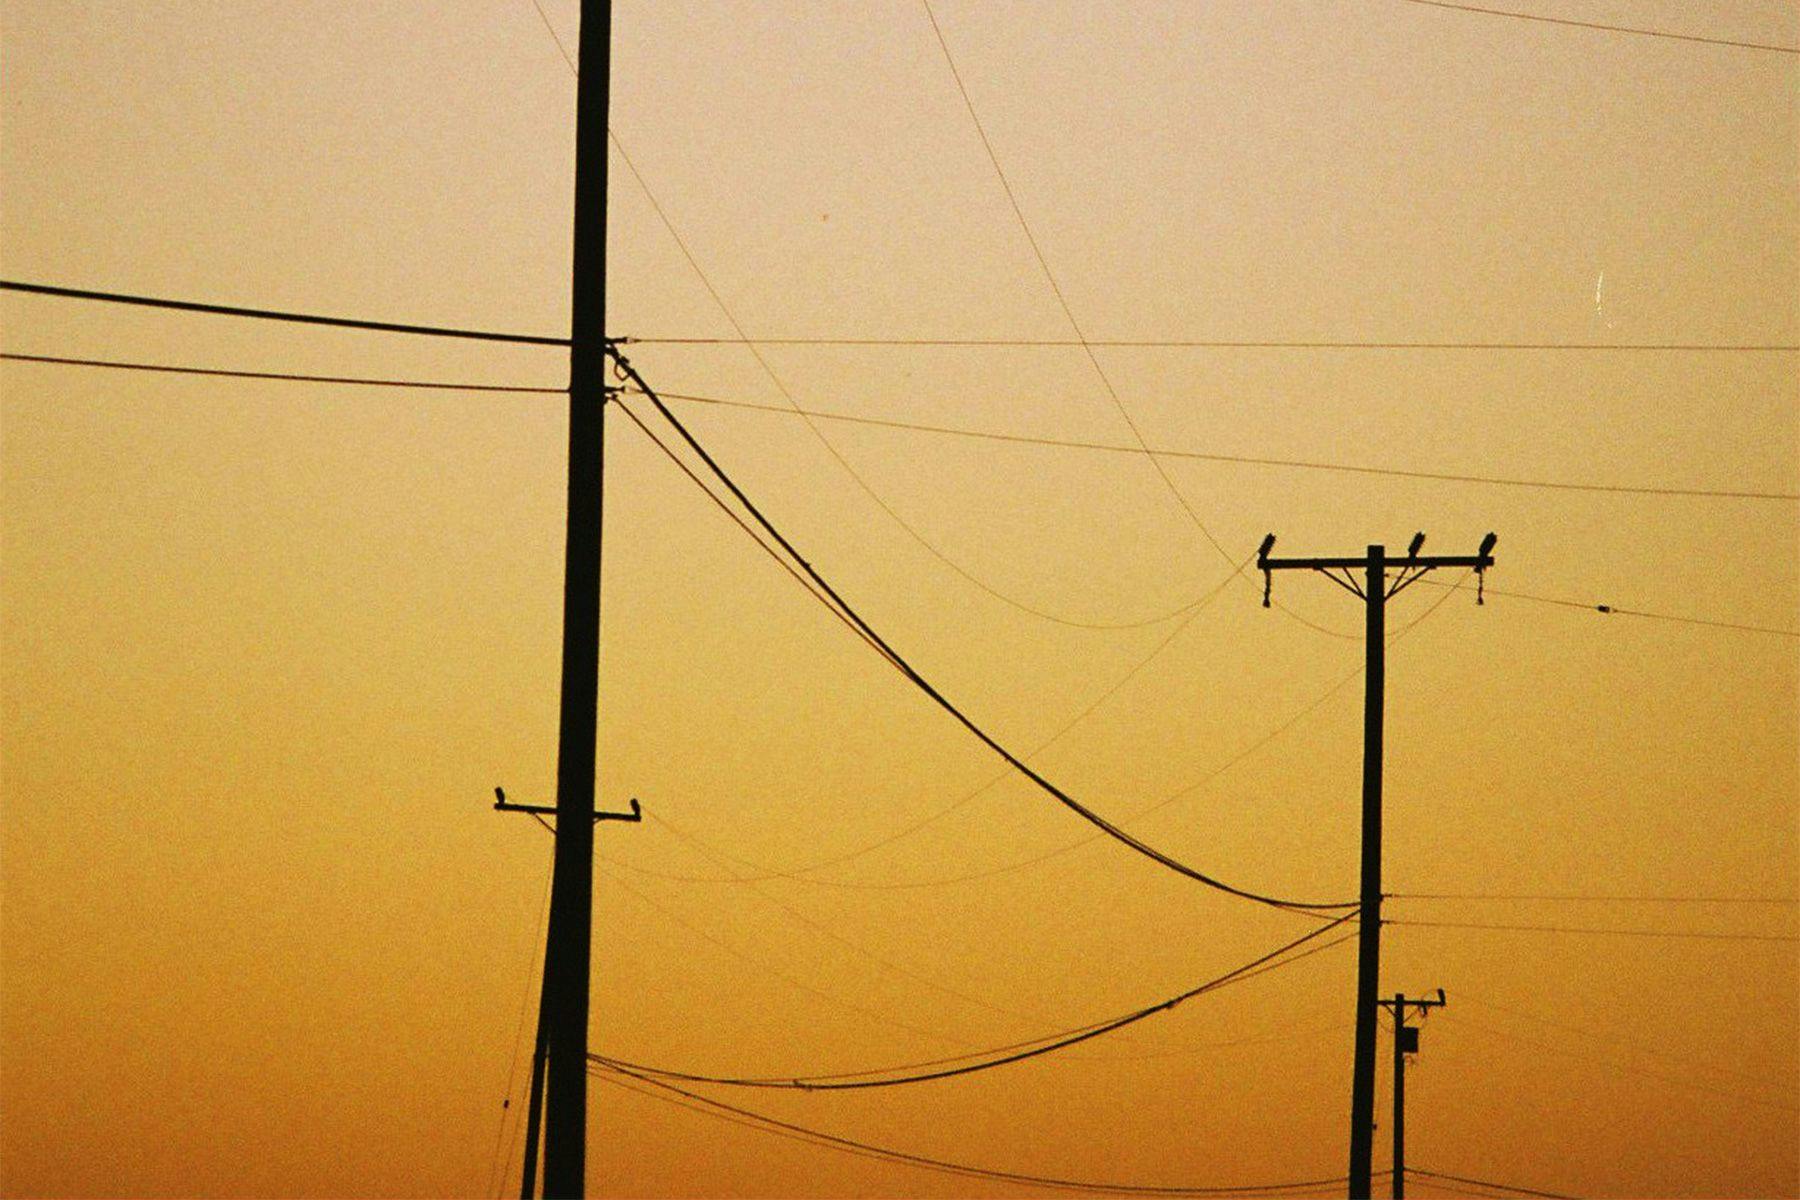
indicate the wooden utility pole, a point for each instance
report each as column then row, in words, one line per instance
column 1375, row 592
column 1406, row 1041
column 568, row 944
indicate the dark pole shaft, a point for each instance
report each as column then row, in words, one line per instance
column 1399, row 1099
column 569, row 944
column 1368, row 959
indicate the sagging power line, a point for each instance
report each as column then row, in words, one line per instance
column 966, row 1064
column 1093, row 818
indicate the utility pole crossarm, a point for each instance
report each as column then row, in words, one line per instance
column 1374, row 591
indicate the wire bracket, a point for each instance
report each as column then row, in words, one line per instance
column 502, row 804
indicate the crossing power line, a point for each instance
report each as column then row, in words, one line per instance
column 1603, row 27
column 1000, row 1056
column 1242, row 459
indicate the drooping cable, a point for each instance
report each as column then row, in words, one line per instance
column 1081, row 337
column 924, row 685
column 998, row 1056
column 768, row 1124
column 856, row 476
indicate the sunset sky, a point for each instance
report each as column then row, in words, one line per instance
column 267, row 647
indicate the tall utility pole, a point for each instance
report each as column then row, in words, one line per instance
column 1406, row 1041
column 569, row 942
column 1375, row 592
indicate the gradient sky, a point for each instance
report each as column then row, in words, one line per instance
column 266, row 647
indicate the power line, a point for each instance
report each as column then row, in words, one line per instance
column 1655, row 33
column 802, row 872
column 767, row 1124
column 856, row 476
column 998, row 1056
column 938, row 697
column 799, row 874
column 1617, row 611
column 270, row 314
column 1657, row 1052
column 1650, row 933
column 285, row 376
column 497, row 1171
column 1242, row 459
column 1685, row 1080
column 790, row 980
column 811, row 590
column 1498, row 1187
column 1592, row 898
column 1214, row 344
column 1075, row 325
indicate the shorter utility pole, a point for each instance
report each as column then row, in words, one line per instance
column 1374, row 590
column 1406, row 1041
column 534, row 1112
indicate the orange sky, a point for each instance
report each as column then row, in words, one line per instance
column 265, row 648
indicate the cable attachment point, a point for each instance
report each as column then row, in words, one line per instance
column 1262, row 561
column 1484, row 560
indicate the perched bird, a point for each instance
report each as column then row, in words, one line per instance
column 1268, row 544
column 1412, row 549
column 1487, row 544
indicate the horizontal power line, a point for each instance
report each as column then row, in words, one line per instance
column 1242, row 459
column 1592, row 898
column 1706, row 935
column 1212, row 344
column 284, row 376
column 1618, row 611
column 272, row 314
column 998, row 1056
column 1597, row 25
column 768, row 1124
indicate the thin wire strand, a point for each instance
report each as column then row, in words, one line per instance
column 1540, row 1046
column 1592, row 898
column 1615, row 610
column 1498, row 1187
column 271, row 314
column 1638, row 30
column 1686, row 1064
column 856, row 476
column 284, row 376
column 1000, row 1056
column 802, row 873
column 776, row 972
column 497, row 1182
column 1080, row 335
column 1705, row 935
column 1241, row 459
column 1211, row 344
column 867, row 1149
column 938, row 697
column 1171, row 798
